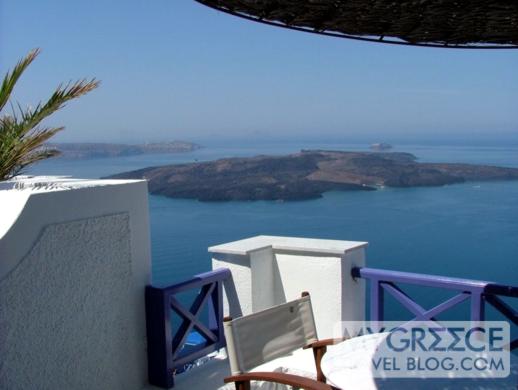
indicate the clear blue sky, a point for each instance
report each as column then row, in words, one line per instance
column 173, row 69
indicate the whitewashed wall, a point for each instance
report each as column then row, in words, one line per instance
column 269, row 270
column 74, row 260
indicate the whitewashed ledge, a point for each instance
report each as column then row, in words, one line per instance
column 279, row 243
column 270, row 270
column 29, row 203
column 15, row 193
column 74, row 262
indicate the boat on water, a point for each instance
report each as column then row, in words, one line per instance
column 381, row 146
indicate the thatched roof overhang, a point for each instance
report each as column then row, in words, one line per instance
column 487, row 24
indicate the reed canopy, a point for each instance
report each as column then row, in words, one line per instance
column 438, row 23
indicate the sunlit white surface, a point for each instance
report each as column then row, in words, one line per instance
column 349, row 365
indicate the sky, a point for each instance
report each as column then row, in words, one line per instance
column 174, row 69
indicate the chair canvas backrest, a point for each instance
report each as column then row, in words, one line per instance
column 268, row 334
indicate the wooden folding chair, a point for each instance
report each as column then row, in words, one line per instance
column 268, row 336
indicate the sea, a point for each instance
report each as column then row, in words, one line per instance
column 467, row 230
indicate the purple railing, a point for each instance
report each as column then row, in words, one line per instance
column 168, row 349
column 477, row 292
column 167, row 342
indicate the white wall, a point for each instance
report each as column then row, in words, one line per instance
column 268, row 270
column 73, row 266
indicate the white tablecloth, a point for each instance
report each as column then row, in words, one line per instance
column 348, row 366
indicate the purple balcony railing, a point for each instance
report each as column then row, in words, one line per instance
column 477, row 292
column 168, row 347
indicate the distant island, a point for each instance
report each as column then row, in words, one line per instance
column 306, row 175
column 101, row 150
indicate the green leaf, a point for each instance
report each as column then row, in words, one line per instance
column 21, row 139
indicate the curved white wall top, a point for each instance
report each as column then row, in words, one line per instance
column 28, row 204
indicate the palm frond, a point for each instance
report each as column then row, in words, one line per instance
column 21, row 137
column 33, row 117
column 11, row 78
column 16, row 152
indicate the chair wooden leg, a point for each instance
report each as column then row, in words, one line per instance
column 242, row 381
column 318, row 354
column 242, row 385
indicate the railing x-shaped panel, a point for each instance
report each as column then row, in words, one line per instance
column 476, row 291
column 166, row 343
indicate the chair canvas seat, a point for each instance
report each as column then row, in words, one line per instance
column 300, row 363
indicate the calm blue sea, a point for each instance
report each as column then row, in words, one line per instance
column 465, row 230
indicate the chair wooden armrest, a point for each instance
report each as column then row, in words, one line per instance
column 326, row 342
column 242, row 381
column 319, row 349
